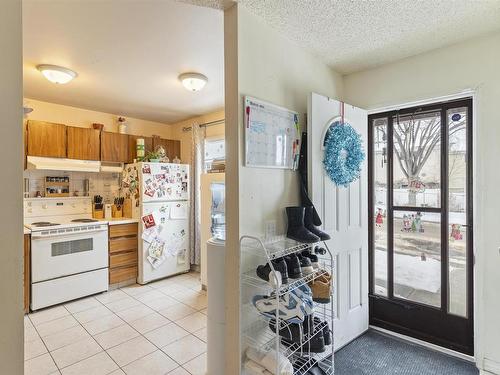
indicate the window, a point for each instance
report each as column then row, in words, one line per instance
column 214, row 149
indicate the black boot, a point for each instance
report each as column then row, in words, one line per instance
column 309, row 224
column 296, row 229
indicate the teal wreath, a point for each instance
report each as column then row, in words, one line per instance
column 343, row 153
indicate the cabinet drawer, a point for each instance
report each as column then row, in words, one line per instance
column 122, row 230
column 123, row 259
column 117, row 245
column 117, row 275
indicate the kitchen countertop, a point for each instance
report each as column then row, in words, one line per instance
column 26, row 230
column 120, row 220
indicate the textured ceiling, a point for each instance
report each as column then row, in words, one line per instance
column 353, row 35
column 128, row 55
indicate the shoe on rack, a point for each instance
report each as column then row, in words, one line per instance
column 313, row 258
column 292, row 332
column 279, row 265
column 321, row 289
column 291, row 307
column 305, row 294
column 323, row 325
column 309, row 324
column 315, row 344
column 305, row 265
column 293, row 266
column 296, row 229
column 320, row 250
column 309, row 224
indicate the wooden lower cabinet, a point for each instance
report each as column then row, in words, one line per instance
column 123, row 247
column 27, row 272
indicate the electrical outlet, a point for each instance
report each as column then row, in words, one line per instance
column 270, row 229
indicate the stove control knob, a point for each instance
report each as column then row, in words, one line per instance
column 44, row 206
column 30, row 210
column 29, row 204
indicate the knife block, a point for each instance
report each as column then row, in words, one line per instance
column 97, row 214
column 116, row 212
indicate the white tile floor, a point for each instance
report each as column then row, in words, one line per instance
column 156, row 329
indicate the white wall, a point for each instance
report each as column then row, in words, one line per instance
column 471, row 65
column 11, row 221
column 264, row 64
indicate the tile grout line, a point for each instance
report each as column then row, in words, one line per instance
column 197, row 310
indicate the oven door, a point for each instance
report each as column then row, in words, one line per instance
column 68, row 254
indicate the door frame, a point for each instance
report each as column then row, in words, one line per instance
column 415, row 310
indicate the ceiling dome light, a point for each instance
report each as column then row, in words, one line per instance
column 57, row 74
column 193, row 81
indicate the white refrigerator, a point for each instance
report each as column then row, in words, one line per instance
column 160, row 200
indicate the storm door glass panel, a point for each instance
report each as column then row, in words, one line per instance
column 379, row 219
column 457, row 214
column 417, row 256
column 417, row 160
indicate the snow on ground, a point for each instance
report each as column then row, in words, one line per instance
column 411, row 271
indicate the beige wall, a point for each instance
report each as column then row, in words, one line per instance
column 186, row 136
column 470, row 65
column 11, row 221
column 73, row 116
column 261, row 63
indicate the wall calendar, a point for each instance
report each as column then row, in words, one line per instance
column 272, row 135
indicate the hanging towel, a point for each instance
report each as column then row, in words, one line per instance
column 269, row 360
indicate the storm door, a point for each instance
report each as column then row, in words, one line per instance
column 420, row 223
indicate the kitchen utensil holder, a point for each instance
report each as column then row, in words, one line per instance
column 127, row 207
column 116, row 211
column 97, row 214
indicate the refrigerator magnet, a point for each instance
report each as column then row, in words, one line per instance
column 149, row 221
column 146, row 169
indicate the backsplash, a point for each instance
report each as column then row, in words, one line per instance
column 105, row 184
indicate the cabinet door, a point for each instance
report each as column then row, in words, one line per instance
column 148, row 146
column 172, row 147
column 46, row 139
column 83, row 143
column 114, row 147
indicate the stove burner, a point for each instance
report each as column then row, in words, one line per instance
column 84, row 221
column 44, row 224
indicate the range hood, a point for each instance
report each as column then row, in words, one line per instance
column 59, row 164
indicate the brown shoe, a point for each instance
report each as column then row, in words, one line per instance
column 322, row 288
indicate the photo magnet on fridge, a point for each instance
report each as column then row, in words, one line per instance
column 149, row 221
column 146, row 169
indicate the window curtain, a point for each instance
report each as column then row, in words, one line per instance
column 197, row 164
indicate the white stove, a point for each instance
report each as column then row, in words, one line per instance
column 69, row 250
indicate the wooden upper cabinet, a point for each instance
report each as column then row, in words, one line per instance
column 83, row 143
column 172, row 147
column 46, row 139
column 114, row 147
column 132, row 141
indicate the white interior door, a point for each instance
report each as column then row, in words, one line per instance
column 345, row 217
